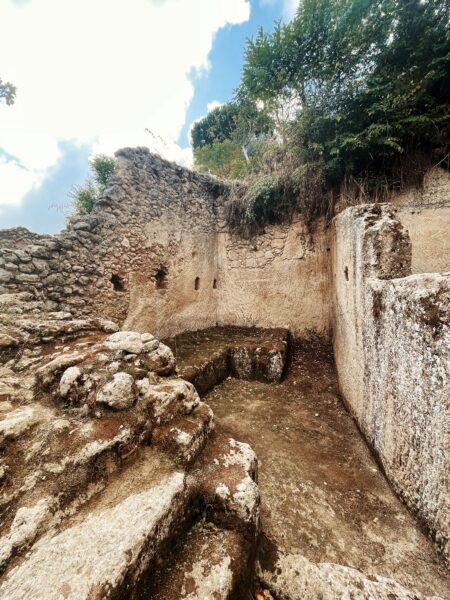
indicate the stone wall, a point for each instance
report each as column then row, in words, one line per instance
column 156, row 255
column 278, row 278
column 19, row 237
column 136, row 256
column 392, row 352
column 426, row 215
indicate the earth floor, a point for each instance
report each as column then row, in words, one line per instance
column 323, row 494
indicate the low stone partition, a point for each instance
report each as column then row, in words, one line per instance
column 207, row 357
column 392, row 352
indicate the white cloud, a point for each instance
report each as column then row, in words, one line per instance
column 289, row 6
column 100, row 71
column 212, row 105
column 18, row 180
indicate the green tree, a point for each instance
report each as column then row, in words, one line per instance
column 225, row 139
column 223, row 158
column 370, row 80
column 7, row 92
column 218, row 125
column 102, row 167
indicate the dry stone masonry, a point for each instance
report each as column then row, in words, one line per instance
column 118, row 481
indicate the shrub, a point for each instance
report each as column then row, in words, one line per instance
column 224, row 158
column 84, row 197
column 102, row 167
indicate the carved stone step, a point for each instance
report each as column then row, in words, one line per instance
column 107, row 548
column 212, row 564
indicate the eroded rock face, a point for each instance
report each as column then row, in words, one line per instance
column 118, row 393
column 228, row 482
column 19, row 421
column 166, row 400
column 206, row 358
column 100, row 556
column 108, row 457
column 78, row 412
column 297, row 578
column 127, row 341
column 68, row 381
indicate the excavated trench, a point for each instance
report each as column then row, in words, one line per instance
column 325, row 504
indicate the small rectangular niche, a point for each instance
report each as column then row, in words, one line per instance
column 197, row 283
column 161, row 278
column 118, row 283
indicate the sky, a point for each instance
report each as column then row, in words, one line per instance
column 93, row 76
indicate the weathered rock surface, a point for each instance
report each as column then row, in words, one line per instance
column 19, row 421
column 127, row 341
column 117, row 393
column 322, row 494
column 394, row 329
column 166, row 400
column 86, row 508
column 208, row 357
column 184, row 437
column 212, row 564
column 297, row 578
column 104, row 553
column 228, row 482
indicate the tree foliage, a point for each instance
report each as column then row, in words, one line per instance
column 227, row 138
column 218, row 125
column 223, row 158
column 372, row 81
column 7, row 92
column 357, row 91
column 84, row 197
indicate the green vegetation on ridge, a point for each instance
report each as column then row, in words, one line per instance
column 85, row 196
column 354, row 95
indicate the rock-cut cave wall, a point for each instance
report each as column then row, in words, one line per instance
column 391, row 337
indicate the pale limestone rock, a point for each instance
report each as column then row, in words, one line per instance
column 106, row 325
column 161, row 360
column 127, row 341
column 275, row 367
column 294, row 577
column 47, row 373
column 19, row 421
column 7, row 341
column 118, row 393
column 150, row 345
column 229, row 483
column 93, row 558
column 185, row 436
column 68, row 380
column 25, row 526
column 147, row 337
column 60, row 315
column 245, row 501
column 218, row 581
column 166, row 400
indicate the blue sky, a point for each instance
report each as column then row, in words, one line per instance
column 157, row 66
